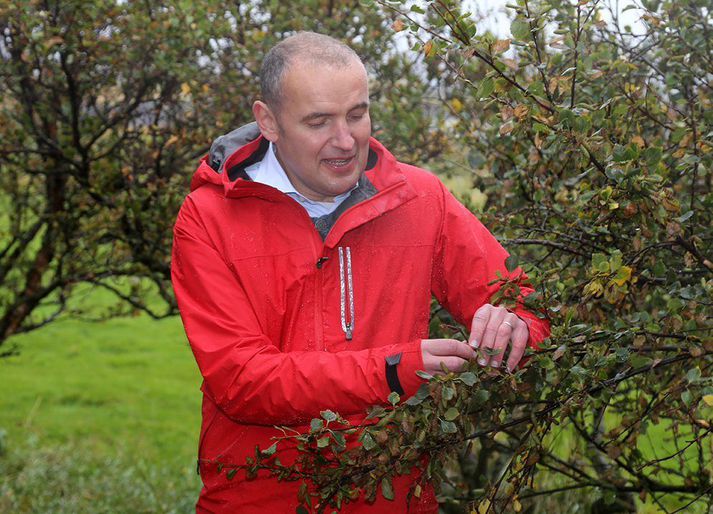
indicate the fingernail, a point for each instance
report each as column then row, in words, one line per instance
column 482, row 361
column 475, row 343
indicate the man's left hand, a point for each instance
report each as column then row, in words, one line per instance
column 494, row 328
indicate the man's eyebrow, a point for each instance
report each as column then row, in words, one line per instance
column 362, row 105
column 316, row 115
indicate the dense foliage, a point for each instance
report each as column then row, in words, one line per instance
column 592, row 147
column 107, row 107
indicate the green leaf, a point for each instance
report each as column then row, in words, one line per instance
column 468, row 378
column 328, row 415
column 693, row 375
column 639, row 361
column 448, row 392
column 448, row 427
column 685, row 217
column 394, row 398
column 424, row 375
column 687, row 398
column 367, row 441
column 481, row 396
column 451, row 414
column 323, row 442
column 422, row 393
column 301, row 510
column 652, row 155
column 231, row 474
column 387, row 489
column 376, row 412
column 487, row 86
column 270, row 451
column 511, row 263
column 520, row 29
column 600, row 262
column 339, row 439
column 316, row 425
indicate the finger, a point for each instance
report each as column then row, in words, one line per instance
column 519, row 343
column 451, row 363
column 449, row 347
column 497, row 314
column 477, row 326
column 503, row 337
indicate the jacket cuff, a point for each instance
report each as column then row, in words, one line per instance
column 404, row 369
column 537, row 328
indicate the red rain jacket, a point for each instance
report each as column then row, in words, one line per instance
column 260, row 295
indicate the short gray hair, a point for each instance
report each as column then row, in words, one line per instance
column 310, row 46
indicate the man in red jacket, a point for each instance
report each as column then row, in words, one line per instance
column 304, row 262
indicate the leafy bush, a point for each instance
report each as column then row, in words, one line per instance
column 107, row 107
column 593, row 148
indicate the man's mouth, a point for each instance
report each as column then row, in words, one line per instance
column 338, row 163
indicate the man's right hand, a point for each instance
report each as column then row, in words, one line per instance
column 451, row 352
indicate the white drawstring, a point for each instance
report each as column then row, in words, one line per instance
column 347, row 328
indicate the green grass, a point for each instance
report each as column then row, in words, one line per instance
column 103, row 408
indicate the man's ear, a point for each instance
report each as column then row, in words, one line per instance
column 266, row 120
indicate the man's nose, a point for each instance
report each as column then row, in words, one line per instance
column 342, row 137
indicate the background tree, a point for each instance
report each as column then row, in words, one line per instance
column 107, row 107
column 590, row 149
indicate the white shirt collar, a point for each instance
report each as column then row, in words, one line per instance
column 270, row 172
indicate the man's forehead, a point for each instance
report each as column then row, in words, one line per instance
column 324, row 84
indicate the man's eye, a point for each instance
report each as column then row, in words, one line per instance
column 317, row 124
column 356, row 117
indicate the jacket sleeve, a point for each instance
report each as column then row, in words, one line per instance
column 245, row 374
column 468, row 258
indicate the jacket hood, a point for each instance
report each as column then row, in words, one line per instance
column 231, row 153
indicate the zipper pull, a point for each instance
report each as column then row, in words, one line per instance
column 321, row 261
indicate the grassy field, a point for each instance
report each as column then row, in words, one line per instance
column 100, row 417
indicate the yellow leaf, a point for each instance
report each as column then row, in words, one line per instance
column 594, row 288
column 428, row 49
column 506, row 112
column 506, row 128
column 185, row 88
column 478, row 199
column 457, row 105
column 623, row 275
column 708, row 399
column 557, row 42
column 398, row 26
column 54, row 40
column 501, row 45
column 516, row 505
column 521, row 111
column 638, row 141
